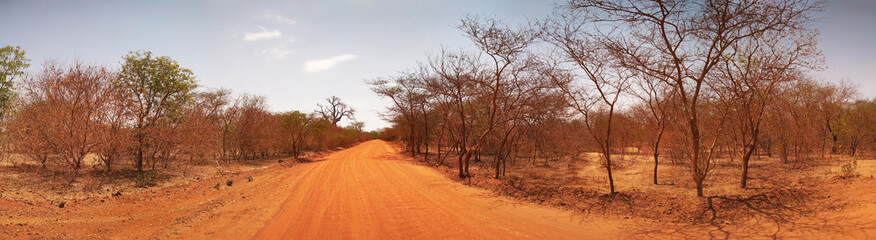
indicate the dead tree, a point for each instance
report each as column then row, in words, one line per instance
column 684, row 42
column 472, row 88
column 657, row 98
column 753, row 71
column 335, row 111
column 65, row 106
column 604, row 81
column 407, row 96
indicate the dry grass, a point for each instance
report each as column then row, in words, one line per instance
column 778, row 193
column 24, row 180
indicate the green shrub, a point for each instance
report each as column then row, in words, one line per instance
column 229, row 182
column 249, row 179
column 145, row 179
column 62, row 204
column 217, row 186
column 849, row 169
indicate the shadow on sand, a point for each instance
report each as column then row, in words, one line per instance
column 784, row 214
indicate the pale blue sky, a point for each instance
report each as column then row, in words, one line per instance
column 296, row 53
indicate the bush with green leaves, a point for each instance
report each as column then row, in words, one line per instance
column 848, row 170
column 145, row 179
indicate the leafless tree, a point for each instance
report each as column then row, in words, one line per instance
column 859, row 130
column 657, row 98
column 409, row 103
column 752, row 73
column 67, row 106
column 683, row 42
column 473, row 89
column 605, row 81
column 335, row 111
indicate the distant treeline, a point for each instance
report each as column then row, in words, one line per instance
column 148, row 115
column 688, row 81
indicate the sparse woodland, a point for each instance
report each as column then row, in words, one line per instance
column 703, row 110
column 702, row 86
column 642, row 119
column 145, row 118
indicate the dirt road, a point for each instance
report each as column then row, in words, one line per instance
column 371, row 192
column 364, row 192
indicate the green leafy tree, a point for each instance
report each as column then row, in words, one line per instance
column 12, row 64
column 155, row 89
column 297, row 125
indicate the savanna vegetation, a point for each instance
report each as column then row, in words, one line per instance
column 148, row 118
column 706, row 111
column 693, row 91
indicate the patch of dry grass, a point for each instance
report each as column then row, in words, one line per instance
column 777, row 192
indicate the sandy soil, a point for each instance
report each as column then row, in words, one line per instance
column 22, row 179
column 369, row 191
column 783, row 201
column 365, row 192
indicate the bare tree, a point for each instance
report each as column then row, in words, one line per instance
column 684, row 41
column 752, row 73
column 255, row 131
column 335, row 111
column 605, row 81
column 859, row 130
column 473, row 89
column 409, row 102
column 656, row 97
column 115, row 132
column 803, row 117
column 213, row 107
column 66, row 107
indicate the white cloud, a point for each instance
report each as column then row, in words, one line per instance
column 319, row 65
column 263, row 35
column 278, row 52
column 279, row 18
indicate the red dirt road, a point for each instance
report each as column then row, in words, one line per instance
column 362, row 193
column 371, row 192
column 365, row 192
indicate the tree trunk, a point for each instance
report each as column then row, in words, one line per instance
column 465, row 161
column 426, row 134
column 750, row 149
column 783, row 151
column 140, row 155
column 411, row 142
column 695, row 155
column 745, row 159
column 505, row 167
column 462, row 168
column 607, row 155
column 498, row 165
column 657, row 149
column 655, row 166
